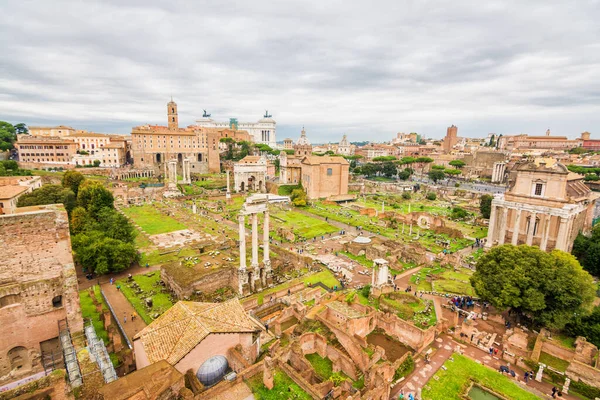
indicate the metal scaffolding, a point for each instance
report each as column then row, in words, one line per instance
column 99, row 354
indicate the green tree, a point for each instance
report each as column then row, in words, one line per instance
column 115, row 225
column 440, row 167
column 7, row 136
column 369, row 169
column 431, row 196
column 2, row 170
column 97, row 163
column 298, row 197
column 423, row 161
column 80, row 221
column 405, row 174
column 103, row 254
column 72, row 180
column 93, row 196
column 587, row 251
column 459, row 213
column 49, row 194
column 389, row 169
column 458, row 164
column 587, row 326
column 21, row 129
column 452, row 172
column 485, row 205
column 436, row 175
column 550, row 288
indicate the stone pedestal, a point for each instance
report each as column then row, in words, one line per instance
column 540, row 373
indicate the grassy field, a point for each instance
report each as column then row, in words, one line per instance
column 151, row 220
column 410, row 308
column 364, row 261
column 323, row 366
column 155, row 257
column 444, row 280
column 283, row 388
column 302, row 225
column 89, row 312
column 161, row 302
column 554, row 362
column 454, row 381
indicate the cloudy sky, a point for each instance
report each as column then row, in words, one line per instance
column 368, row 69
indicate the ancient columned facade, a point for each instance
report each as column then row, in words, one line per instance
column 250, row 174
column 249, row 279
column 38, row 288
column 498, row 172
column 545, row 206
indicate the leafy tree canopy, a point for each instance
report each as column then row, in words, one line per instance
column 93, row 196
column 8, row 136
column 485, row 205
column 49, row 194
column 587, row 251
column 436, row 175
column 72, row 180
column 550, row 288
column 457, row 163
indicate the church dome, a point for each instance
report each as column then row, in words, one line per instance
column 213, row 370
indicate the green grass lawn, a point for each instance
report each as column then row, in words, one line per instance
column 445, row 280
column 89, row 312
column 455, row 380
column 565, row 340
column 161, row 301
column 323, row 366
column 302, row 225
column 554, row 362
column 283, row 388
column 155, row 257
column 152, row 220
column 410, row 308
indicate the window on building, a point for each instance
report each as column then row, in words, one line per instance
column 329, row 171
column 538, row 189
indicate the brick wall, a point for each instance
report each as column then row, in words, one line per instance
column 36, row 266
column 406, row 333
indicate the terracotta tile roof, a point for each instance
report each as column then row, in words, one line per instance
column 8, row 192
column 181, row 328
column 316, row 160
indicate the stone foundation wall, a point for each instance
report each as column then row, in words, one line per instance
column 582, row 372
column 406, row 333
column 207, row 283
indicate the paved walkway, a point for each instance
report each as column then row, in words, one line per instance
column 84, row 283
column 445, row 348
column 123, row 309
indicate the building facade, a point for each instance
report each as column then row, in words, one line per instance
column 546, row 142
column 48, row 150
column 250, row 174
column 51, row 131
column 264, row 131
column 290, row 166
column 325, row 176
column 154, row 145
column 545, row 206
column 38, row 288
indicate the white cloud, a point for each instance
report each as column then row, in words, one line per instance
column 366, row 69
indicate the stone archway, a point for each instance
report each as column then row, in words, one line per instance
column 260, row 186
column 242, row 186
column 251, row 183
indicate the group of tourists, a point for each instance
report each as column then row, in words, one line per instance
column 463, row 302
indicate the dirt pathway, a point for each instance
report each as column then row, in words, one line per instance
column 123, row 309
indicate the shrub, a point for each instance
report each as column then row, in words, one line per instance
column 431, row 196
column 457, row 184
column 406, row 196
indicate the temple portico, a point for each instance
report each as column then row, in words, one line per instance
column 545, row 206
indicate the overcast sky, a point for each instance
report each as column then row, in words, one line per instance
column 368, row 69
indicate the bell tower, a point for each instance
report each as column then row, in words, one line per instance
column 172, row 115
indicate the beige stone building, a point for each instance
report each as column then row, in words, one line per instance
column 545, row 206
column 154, row 145
column 190, row 333
column 325, row 176
column 546, row 142
column 45, row 150
column 51, row 131
column 38, row 288
column 290, row 166
column 13, row 187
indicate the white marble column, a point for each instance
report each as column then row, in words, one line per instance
column 516, row 228
column 562, row 234
column 492, row 226
column 228, row 193
column 254, row 262
column 502, row 234
column 266, row 256
column 242, row 232
column 545, row 232
column 531, row 228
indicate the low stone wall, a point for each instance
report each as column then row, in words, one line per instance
column 406, row 332
column 579, row 371
column 314, row 343
column 225, row 386
column 300, row 381
column 207, row 283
